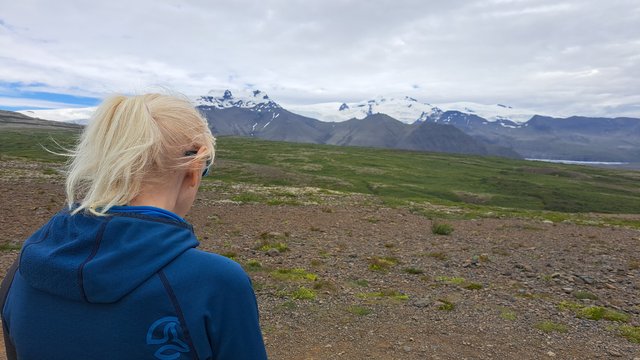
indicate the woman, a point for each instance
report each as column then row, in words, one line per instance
column 117, row 275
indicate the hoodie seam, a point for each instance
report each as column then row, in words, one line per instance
column 94, row 251
column 178, row 309
column 153, row 219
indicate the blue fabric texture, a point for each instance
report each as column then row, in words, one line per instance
column 130, row 285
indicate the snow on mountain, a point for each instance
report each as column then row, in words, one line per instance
column 248, row 99
column 74, row 115
column 406, row 109
column 491, row 112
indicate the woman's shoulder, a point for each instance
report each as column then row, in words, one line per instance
column 197, row 266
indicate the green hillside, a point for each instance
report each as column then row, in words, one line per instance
column 399, row 177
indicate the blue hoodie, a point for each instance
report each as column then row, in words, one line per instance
column 130, row 285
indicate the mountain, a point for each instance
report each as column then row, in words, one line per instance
column 575, row 138
column 408, row 110
column 14, row 120
column 254, row 114
column 491, row 129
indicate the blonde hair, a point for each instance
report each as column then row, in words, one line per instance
column 130, row 141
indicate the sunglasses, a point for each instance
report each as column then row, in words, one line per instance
column 205, row 172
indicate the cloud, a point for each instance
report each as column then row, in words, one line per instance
column 558, row 57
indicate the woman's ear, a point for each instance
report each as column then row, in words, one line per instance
column 194, row 173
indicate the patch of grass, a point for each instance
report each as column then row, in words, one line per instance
column 266, row 246
column 441, row 228
column 231, row 255
column 599, row 312
column 253, row 265
column 583, row 295
column 473, row 286
column 632, row 333
column 413, row 271
column 451, row 280
column 360, row 282
column 386, row 294
column 324, row 285
column 634, row 264
column 9, row 247
column 272, row 240
column 550, row 326
column 568, row 305
column 359, row 310
column 49, row 171
column 382, row 263
column 289, row 305
column 438, row 255
column 295, row 274
column 303, row 294
column 446, row 305
column 249, row 198
column 372, row 220
column 508, row 315
column 594, row 312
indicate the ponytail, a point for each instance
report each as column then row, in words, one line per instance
column 130, row 141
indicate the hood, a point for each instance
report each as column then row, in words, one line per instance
column 100, row 259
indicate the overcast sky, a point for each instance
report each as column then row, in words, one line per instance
column 558, row 57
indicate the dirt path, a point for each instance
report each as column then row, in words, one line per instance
column 381, row 285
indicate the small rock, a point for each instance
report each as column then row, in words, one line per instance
column 555, row 275
column 551, row 354
column 614, row 353
column 406, row 348
column 567, row 290
column 273, row 252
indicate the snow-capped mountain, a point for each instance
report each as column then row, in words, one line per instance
column 410, row 110
column 247, row 99
column 407, row 109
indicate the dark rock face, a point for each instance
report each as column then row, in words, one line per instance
column 376, row 130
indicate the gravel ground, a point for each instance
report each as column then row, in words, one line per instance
column 378, row 284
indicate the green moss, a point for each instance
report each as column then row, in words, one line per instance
column 473, row 286
column 382, row 263
column 583, row 295
column 599, row 312
column 632, row 333
column 9, row 247
column 296, row 274
column 413, row 271
column 441, row 229
column 358, row 310
column 508, row 315
column 360, row 282
column 550, row 326
column 304, row 294
column 230, row 254
column 253, row 265
column 446, row 305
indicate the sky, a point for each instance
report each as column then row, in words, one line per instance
column 575, row 57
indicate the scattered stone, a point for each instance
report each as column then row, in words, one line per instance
column 551, row 354
column 273, row 252
column 406, row 348
column 567, row 290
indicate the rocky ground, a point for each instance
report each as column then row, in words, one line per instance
column 341, row 276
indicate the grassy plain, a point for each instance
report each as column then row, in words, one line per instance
column 475, row 186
